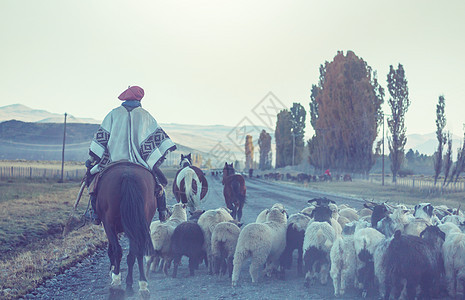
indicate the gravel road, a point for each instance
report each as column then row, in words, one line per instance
column 90, row 278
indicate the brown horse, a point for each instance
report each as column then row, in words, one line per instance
column 126, row 203
column 234, row 190
column 190, row 185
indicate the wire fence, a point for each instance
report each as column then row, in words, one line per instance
column 33, row 172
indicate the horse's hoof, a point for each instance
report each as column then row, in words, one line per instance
column 143, row 289
column 115, row 279
column 234, row 283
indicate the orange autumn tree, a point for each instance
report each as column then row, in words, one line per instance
column 345, row 112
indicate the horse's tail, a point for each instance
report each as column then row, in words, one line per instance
column 193, row 199
column 238, row 190
column 133, row 217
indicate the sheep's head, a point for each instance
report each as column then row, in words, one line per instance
column 379, row 212
column 277, row 215
column 321, row 201
column 423, row 210
column 433, row 235
column 322, row 214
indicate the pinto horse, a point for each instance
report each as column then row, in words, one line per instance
column 126, row 203
column 190, row 185
column 234, row 190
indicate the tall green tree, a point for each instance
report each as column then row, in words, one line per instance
column 441, row 136
column 447, row 158
column 283, row 136
column 345, row 113
column 298, row 115
column 399, row 103
column 264, row 142
column 459, row 165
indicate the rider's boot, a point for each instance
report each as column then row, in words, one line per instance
column 161, row 203
column 95, row 218
column 160, row 182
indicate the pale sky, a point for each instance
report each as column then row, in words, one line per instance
column 211, row 62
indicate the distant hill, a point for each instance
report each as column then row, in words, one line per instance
column 26, row 114
column 427, row 143
column 44, row 141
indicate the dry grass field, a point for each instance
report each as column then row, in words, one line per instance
column 394, row 194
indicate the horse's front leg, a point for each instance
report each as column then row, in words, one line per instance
column 233, row 211
column 239, row 213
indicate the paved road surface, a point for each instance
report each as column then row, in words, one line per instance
column 90, row 279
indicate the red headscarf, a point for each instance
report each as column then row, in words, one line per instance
column 132, row 93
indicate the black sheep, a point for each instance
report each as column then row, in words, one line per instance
column 294, row 240
column 379, row 211
column 187, row 240
column 415, row 260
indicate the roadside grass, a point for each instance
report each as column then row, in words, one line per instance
column 32, row 217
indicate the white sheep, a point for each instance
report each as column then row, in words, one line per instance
column 349, row 213
column 224, row 240
column 263, row 242
column 343, row 206
column 454, row 263
column 261, row 218
column 456, row 219
column 365, row 242
column 161, row 233
column 319, row 238
column 343, row 264
column 449, row 227
column 379, row 264
column 364, row 212
column 343, row 221
column 308, row 210
column 416, row 226
column 207, row 222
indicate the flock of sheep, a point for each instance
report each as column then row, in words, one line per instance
column 393, row 251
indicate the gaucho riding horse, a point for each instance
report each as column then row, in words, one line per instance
column 129, row 133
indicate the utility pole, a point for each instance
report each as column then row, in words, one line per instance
column 382, row 181
column 63, row 151
column 293, row 147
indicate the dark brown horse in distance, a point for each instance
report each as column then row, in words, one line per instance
column 126, row 203
column 234, row 190
column 190, row 185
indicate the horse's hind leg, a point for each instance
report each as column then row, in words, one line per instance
column 131, row 259
column 115, row 253
column 143, row 286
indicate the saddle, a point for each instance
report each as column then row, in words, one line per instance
column 94, row 180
